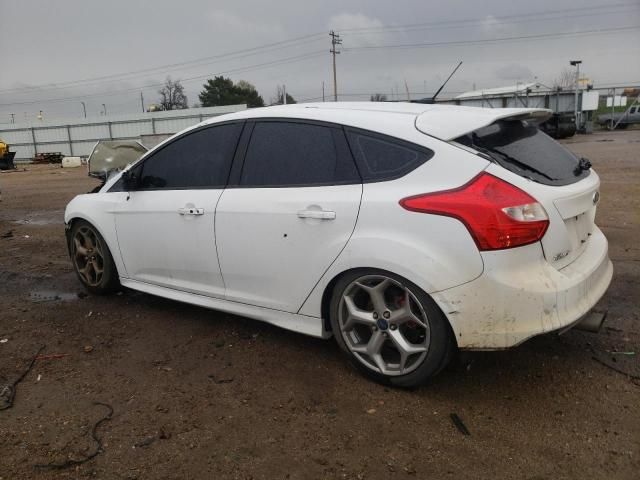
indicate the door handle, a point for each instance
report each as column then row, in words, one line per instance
column 191, row 211
column 319, row 214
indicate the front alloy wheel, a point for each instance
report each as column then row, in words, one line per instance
column 92, row 259
column 87, row 255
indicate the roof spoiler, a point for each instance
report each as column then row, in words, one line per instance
column 447, row 122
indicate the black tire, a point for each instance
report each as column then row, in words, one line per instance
column 441, row 344
column 82, row 254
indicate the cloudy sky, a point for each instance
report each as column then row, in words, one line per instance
column 56, row 54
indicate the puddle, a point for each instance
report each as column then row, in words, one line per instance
column 41, row 218
column 41, row 296
column 36, row 222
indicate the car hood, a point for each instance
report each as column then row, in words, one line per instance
column 111, row 156
column 447, row 122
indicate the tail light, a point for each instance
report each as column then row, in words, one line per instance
column 497, row 214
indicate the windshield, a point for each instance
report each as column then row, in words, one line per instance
column 522, row 148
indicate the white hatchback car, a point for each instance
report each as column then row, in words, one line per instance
column 405, row 230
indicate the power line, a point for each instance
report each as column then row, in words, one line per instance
column 494, row 40
column 305, row 39
column 247, row 68
column 466, row 24
column 575, row 12
column 196, row 62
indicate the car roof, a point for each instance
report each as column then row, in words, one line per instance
column 445, row 122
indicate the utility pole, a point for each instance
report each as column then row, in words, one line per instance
column 284, row 94
column 323, row 91
column 142, row 101
column 576, row 63
column 335, row 40
column 613, row 108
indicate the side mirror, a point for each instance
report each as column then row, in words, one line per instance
column 129, row 180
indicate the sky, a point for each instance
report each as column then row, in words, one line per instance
column 57, row 54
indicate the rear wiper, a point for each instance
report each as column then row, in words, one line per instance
column 512, row 160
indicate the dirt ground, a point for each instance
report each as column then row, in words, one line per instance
column 201, row 394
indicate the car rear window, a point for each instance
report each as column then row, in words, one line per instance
column 523, row 149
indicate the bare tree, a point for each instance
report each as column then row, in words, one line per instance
column 172, row 95
column 566, row 79
column 278, row 99
column 378, row 97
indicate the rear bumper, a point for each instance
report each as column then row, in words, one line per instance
column 519, row 295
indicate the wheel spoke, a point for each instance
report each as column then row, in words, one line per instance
column 404, row 314
column 405, row 348
column 356, row 315
column 96, row 268
column 375, row 343
column 80, row 250
column 87, row 272
column 97, row 248
column 376, row 293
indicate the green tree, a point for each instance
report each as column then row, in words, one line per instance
column 222, row 91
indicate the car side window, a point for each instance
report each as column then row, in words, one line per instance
column 381, row 158
column 201, row 159
column 283, row 154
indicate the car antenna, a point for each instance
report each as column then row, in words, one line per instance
column 433, row 99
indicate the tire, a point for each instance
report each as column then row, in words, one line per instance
column 92, row 260
column 372, row 339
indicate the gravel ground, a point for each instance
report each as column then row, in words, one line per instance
column 201, row 394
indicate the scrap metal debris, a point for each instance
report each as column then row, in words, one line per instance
column 615, row 369
column 146, row 442
column 53, row 356
column 217, row 379
column 8, row 392
column 42, row 296
column 71, row 462
column 457, row 421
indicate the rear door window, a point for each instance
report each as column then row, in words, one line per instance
column 522, row 148
column 284, row 154
column 382, row 158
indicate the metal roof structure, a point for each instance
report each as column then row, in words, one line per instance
column 492, row 92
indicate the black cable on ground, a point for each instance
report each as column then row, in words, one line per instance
column 72, row 462
column 8, row 392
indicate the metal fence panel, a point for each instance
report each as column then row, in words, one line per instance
column 44, row 137
column 174, row 125
column 83, row 149
column 131, row 129
column 17, row 136
column 90, row 132
column 63, row 148
column 23, row 152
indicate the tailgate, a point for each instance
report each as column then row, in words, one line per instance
column 572, row 212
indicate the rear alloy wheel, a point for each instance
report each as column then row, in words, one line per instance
column 391, row 330
column 92, row 260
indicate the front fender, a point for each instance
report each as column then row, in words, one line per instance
column 98, row 209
